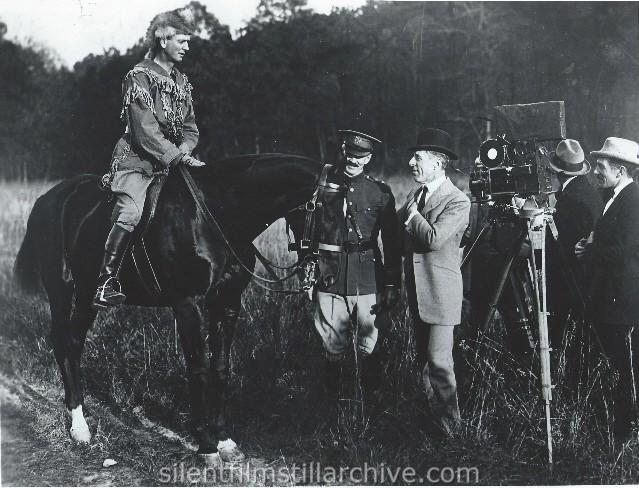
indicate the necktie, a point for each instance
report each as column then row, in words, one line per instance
column 422, row 199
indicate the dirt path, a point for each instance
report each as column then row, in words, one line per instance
column 37, row 451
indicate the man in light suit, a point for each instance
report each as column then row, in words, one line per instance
column 612, row 251
column 434, row 218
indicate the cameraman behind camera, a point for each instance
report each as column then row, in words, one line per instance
column 488, row 259
column 577, row 210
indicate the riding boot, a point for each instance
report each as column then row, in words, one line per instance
column 109, row 292
column 332, row 380
column 372, row 376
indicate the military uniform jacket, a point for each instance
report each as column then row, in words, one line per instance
column 160, row 124
column 357, row 210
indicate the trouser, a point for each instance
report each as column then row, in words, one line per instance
column 130, row 186
column 333, row 314
column 434, row 350
column 621, row 345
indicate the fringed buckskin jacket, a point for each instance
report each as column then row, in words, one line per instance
column 160, row 124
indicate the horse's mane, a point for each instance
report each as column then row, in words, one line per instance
column 234, row 165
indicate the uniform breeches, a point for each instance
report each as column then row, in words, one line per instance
column 130, row 187
column 333, row 314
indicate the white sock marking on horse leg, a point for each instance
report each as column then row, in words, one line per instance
column 79, row 428
column 227, row 444
column 229, row 451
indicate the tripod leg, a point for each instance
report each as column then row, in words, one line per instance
column 522, row 309
column 505, row 272
column 538, row 241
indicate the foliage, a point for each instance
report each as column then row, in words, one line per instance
column 291, row 78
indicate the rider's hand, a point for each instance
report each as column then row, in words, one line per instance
column 184, row 147
column 191, row 161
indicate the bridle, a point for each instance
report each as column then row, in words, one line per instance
column 306, row 266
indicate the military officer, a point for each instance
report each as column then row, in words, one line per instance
column 355, row 283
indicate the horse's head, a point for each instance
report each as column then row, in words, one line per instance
column 254, row 190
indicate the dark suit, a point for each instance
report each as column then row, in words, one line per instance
column 577, row 210
column 614, row 299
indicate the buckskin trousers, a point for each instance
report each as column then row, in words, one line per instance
column 333, row 315
column 130, row 187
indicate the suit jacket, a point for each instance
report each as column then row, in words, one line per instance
column 430, row 243
column 577, row 210
column 614, row 262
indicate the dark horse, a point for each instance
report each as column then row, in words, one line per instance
column 195, row 269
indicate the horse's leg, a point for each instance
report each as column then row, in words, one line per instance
column 190, row 317
column 68, row 336
column 224, row 308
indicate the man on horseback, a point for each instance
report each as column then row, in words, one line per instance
column 160, row 132
column 354, row 281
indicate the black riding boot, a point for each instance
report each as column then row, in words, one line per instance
column 109, row 292
column 372, row 376
column 332, row 380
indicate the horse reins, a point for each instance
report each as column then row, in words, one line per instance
column 268, row 265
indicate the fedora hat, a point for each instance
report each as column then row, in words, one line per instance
column 569, row 159
column 621, row 149
column 434, row 140
column 356, row 143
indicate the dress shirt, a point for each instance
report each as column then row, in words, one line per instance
column 432, row 187
column 616, row 192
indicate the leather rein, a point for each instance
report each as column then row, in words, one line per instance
column 304, row 264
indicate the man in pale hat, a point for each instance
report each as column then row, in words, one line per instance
column 160, row 132
column 578, row 206
column 355, row 282
column 433, row 220
column 612, row 251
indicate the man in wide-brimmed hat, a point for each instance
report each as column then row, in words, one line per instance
column 612, row 251
column 577, row 209
column 160, row 132
column 433, row 220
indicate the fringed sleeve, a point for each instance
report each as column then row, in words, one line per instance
column 132, row 89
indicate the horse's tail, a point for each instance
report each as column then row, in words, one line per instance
column 26, row 271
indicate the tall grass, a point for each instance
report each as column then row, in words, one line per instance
column 276, row 402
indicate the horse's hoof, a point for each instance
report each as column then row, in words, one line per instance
column 229, row 452
column 212, row 460
column 79, row 429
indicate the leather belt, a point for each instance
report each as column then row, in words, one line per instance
column 348, row 246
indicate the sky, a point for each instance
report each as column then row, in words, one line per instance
column 76, row 28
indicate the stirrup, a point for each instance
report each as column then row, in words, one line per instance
column 100, row 301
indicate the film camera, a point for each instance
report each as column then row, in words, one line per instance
column 516, row 162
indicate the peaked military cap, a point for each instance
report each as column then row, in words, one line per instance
column 358, row 144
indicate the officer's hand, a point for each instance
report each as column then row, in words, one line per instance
column 390, row 298
column 191, row 161
column 412, row 207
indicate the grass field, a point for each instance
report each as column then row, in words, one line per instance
column 132, row 358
